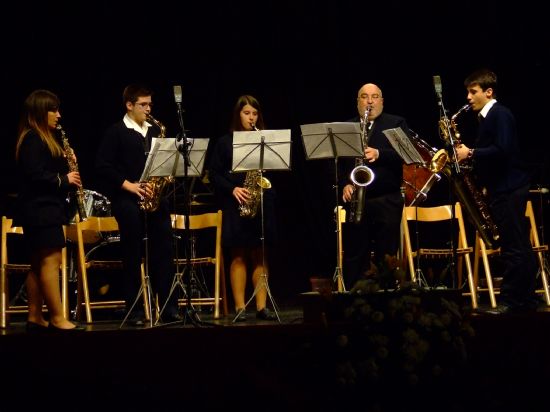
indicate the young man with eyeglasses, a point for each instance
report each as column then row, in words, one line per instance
column 120, row 162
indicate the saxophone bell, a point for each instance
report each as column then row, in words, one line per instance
column 438, row 161
column 362, row 175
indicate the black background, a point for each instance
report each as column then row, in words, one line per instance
column 304, row 61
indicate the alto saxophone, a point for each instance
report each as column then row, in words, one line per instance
column 361, row 176
column 73, row 167
column 463, row 185
column 157, row 184
column 255, row 183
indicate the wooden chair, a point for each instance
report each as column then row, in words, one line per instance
column 22, row 268
column 92, row 229
column 202, row 222
column 483, row 253
column 431, row 215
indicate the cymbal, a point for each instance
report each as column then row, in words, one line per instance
column 195, row 203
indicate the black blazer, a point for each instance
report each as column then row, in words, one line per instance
column 388, row 168
column 43, row 185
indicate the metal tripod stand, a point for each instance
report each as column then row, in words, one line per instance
column 262, row 282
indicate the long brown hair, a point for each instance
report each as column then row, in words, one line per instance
column 35, row 117
column 242, row 101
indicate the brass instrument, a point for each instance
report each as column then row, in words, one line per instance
column 254, row 182
column 463, row 184
column 157, row 184
column 361, row 176
column 79, row 195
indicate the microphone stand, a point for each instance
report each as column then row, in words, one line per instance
column 455, row 174
column 184, row 149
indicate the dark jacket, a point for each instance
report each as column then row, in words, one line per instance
column 43, row 185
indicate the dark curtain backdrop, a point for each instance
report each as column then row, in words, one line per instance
column 304, row 61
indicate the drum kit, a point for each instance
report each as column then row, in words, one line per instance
column 418, row 179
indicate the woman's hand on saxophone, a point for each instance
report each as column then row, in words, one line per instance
column 141, row 189
column 347, row 193
column 241, row 194
column 74, row 178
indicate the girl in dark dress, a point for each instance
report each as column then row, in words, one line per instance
column 45, row 181
column 242, row 234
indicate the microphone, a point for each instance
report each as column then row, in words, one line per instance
column 178, row 99
column 177, row 94
column 437, row 86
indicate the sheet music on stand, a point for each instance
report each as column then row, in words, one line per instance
column 332, row 140
column 403, row 146
column 261, row 150
column 165, row 159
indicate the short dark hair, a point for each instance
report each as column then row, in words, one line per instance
column 484, row 78
column 133, row 92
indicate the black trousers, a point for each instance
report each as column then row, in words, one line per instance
column 517, row 256
column 378, row 232
column 145, row 234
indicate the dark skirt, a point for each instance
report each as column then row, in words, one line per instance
column 43, row 237
column 247, row 232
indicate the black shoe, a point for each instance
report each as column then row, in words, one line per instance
column 265, row 314
column 241, row 315
column 172, row 316
column 77, row 328
column 34, row 327
column 136, row 319
column 500, row 309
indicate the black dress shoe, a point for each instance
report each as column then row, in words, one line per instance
column 240, row 316
column 136, row 321
column 265, row 314
column 77, row 328
column 499, row 310
column 172, row 316
column 35, row 327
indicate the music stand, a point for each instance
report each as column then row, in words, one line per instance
column 327, row 141
column 261, row 150
column 186, row 163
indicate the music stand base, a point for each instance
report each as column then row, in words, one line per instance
column 261, row 283
column 139, row 295
column 339, row 279
column 190, row 311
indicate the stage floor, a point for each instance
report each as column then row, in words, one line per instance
column 297, row 364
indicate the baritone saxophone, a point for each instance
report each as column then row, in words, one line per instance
column 361, row 176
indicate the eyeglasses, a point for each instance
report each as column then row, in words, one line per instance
column 145, row 104
column 375, row 96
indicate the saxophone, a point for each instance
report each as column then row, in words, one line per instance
column 361, row 176
column 73, row 167
column 157, row 184
column 255, row 183
column 463, row 185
